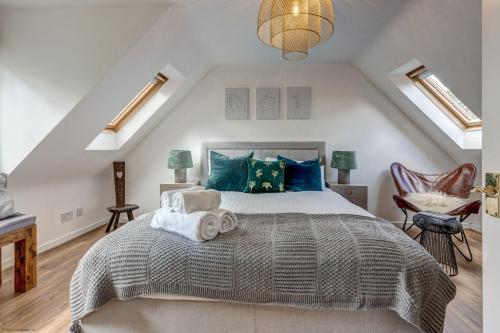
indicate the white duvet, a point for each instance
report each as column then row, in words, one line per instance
column 320, row 202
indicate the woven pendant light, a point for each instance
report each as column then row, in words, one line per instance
column 294, row 26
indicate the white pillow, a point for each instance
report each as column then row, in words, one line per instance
column 3, row 180
column 437, row 202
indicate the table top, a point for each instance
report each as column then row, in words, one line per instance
column 15, row 222
column 121, row 209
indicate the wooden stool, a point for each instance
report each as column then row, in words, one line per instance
column 116, row 211
column 20, row 230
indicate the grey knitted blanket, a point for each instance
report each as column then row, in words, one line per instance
column 310, row 261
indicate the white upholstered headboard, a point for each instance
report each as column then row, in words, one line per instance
column 294, row 150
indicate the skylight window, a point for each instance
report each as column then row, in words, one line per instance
column 136, row 103
column 442, row 96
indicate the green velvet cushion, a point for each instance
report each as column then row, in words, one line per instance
column 265, row 176
column 227, row 174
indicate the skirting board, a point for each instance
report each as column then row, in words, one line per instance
column 9, row 262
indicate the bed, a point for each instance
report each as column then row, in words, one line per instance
column 216, row 307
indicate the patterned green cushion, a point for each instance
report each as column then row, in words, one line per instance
column 265, row 176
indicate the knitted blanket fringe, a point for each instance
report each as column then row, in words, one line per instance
column 343, row 262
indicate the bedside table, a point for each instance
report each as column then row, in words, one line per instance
column 176, row 186
column 357, row 194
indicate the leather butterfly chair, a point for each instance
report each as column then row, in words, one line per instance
column 458, row 183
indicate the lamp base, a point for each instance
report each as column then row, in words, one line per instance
column 180, row 175
column 344, row 177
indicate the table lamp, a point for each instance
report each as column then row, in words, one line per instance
column 344, row 161
column 180, row 160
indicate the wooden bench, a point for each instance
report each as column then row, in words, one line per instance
column 20, row 230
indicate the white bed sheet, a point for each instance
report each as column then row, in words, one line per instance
column 314, row 202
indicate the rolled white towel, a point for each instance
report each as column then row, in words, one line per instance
column 227, row 218
column 192, row 201
column 198, row 226
column 166, row 197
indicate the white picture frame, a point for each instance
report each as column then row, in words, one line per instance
column 298, row 102
column 237, row 103
column 267, row 103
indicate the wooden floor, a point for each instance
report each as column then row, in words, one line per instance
column 46, row 308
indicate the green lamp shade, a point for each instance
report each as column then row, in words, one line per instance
column 180, row 159
column 344, row 160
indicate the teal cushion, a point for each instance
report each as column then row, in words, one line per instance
column 228, row 174
column 265, row 176
column 303, row 176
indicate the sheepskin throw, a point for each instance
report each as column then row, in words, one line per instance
column 343, row 262
column 437, row 202
column 6, row 201
column 3, row 180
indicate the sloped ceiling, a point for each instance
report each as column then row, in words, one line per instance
column 445, row 36
column 61, row 155
column 227, row 29
column 45, row 69
column 73, row 3
column 375, row 35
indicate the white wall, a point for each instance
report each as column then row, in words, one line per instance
column 48, row 200
column 348, row 112
column 50, row 58
column 491, row 162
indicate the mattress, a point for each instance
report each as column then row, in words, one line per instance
column 313, row 202
column 308, row 202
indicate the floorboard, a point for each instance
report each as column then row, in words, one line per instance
column 46, row 307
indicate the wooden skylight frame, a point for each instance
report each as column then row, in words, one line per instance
column 136, row 103
column 442, row 96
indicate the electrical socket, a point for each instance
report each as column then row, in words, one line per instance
column 79, row 212
column 66, row 217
